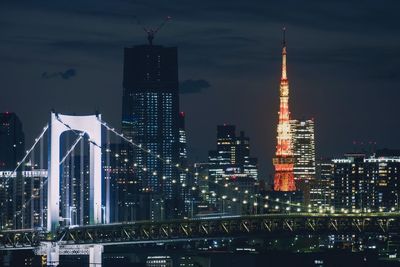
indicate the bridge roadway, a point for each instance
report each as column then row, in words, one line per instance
column 142, row 232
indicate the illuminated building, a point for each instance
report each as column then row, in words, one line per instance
column 232, row 157
column 129, row 201
column 225, row 155
column 182, row 139
column 367, row 184
column 150, row 117
column 249, row 164
column 284, row 160
column 124, row 182
column 12, row 146
column 350, row 189
column 303, row 142
column 231, row 164
column 16, row 211
column 159, row 261
column 12, row 141
column 184, row 177
column 303, row 145
column 382, row 170
column 321, row 186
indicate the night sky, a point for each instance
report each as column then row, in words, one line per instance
column 343, row 65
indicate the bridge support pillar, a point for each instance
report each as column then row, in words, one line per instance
column 54, row 250
column 53, row 255
column 95, row 255
column 6, row 259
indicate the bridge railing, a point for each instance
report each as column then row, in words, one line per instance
column 222, row 227
column 233, row 227
column 20, row 239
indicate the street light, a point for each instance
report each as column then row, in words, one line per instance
column 223, row 203
column 255, row 205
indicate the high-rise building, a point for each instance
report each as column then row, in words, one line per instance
column 382, row 170
column 303, row 149
column 12, row 141
column 124, row 183
column 303, row 145
column 232, row 158
column 351, row 190
column 183, row 175
column 22, row 200
column 182, row 139
column 321, row 186
column 225, row 155
column 129, row 201
column 284, row 160
column 150, row 117
column 185, row 178
column 365, row 184
column 243, row 156
column 231, row 164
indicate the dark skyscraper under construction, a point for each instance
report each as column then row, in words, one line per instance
column 150, row 115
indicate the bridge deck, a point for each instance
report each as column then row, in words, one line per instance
column 207, row 227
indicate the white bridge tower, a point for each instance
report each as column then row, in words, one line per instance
column 91, row 126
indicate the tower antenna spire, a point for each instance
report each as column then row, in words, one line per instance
column 284, row 72
column 284, row 36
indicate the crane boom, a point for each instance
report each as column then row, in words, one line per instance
column 151, row 32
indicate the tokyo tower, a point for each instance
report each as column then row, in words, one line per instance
column 284, row 160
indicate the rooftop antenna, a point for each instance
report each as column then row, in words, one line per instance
column 151, row 32
column 284, row 36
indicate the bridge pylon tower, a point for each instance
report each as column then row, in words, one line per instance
column 89, row 125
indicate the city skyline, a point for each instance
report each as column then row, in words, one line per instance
column 213, row 133
column 337, row 57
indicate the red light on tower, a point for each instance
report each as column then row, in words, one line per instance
column 284, row 160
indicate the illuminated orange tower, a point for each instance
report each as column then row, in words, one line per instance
column 284, row 160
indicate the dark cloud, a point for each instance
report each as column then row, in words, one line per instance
column 193, row 86
column 85, row 46
column 65, row 75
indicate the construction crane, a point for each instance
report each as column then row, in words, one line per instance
column 151, row 32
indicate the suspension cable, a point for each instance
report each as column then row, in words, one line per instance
column 187, row 171
column 77, row 132
column 81, row 134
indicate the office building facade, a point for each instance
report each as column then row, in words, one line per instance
column 303, row 141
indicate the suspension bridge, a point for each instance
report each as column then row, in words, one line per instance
column 52, row 238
